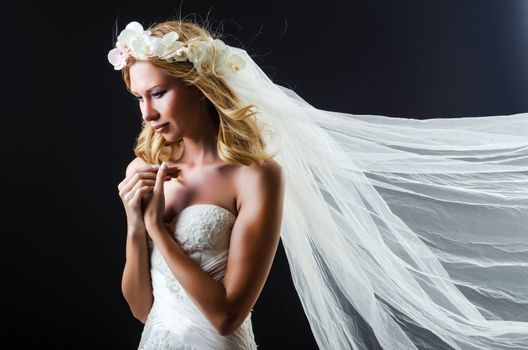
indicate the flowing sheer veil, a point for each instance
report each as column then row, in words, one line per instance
column 400, row 233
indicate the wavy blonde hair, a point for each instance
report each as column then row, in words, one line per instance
column 239, row 138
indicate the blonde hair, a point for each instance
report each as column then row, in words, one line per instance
column 239, row 138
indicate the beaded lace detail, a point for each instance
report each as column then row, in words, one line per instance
column 211, row 230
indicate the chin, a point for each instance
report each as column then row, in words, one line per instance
column 171, row 138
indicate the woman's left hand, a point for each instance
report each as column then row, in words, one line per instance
column 155, row 207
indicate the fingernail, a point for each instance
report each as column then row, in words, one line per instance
column 164, row 165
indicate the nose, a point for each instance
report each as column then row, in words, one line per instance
column 148, row 111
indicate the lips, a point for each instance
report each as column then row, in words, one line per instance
column 159, row 127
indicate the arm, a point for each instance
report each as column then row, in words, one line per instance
column 253, row 244
column 136, row 283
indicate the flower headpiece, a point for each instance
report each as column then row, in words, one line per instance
column 136, row 42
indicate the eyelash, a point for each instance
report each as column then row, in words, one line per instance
column 158, row 94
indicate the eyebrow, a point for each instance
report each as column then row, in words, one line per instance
column 148, row 90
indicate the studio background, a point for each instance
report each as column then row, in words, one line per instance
column 69, row 126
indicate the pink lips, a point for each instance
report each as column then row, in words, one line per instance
column 160, row 128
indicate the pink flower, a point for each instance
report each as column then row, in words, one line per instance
column 118, row 58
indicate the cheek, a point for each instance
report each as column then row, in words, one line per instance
column 178, row 106
column 171, row 101
column 174, row 109
column 166, row 106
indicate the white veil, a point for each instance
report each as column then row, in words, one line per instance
column 400, row 233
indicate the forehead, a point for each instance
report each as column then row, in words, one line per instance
column 143, row 75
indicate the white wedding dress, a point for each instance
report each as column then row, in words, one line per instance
column 175, row 322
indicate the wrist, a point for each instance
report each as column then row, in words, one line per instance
column 138, row 240
column 136, row 226
column 135, row 222
column 151, row 222
column 137, row 232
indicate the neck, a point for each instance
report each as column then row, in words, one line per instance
column 200, row 144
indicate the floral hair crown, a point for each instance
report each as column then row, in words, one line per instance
column 204, row 54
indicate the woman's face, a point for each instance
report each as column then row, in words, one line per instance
column 165, row 100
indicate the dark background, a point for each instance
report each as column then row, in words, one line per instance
column 69, row 126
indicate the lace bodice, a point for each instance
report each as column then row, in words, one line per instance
column 203, row 231
column 202, row 226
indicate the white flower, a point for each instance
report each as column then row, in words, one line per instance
column 167, row 46
column 169, row 38
column 140, row 47
column 179, row 55
column 226, row 60
column 125, row 38
column 220, row 47
column 221, row 53
column 132, row 32
column 200, row 53
column 118, row 58
column 136, row 27
column 204, row 54
column 135, row 40
column 197, row 51
column 236, row 62
column 154, row 46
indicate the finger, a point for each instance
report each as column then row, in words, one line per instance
column 139, row 180
column 134, row 179
column 144, row 182
column 145, row 169
column 162, row 173
column 139, row 194
column 151, row 167
column 149, row 170
column 140, row 184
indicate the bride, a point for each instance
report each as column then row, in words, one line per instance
column 416, row 228
column 221, row 191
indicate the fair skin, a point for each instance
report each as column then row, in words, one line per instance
column 253, row 193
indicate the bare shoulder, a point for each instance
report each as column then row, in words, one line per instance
column 255, row 180
column 268, row 171
column 135, row 164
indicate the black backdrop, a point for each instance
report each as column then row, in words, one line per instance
column 69, row 125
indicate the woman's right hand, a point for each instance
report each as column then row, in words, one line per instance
column 138, row 184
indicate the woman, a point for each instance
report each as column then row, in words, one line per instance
column 220, row 191
column 399, row 233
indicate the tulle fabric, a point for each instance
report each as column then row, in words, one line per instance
column 400, row 233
